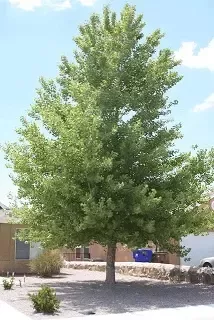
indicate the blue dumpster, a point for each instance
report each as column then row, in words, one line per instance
column 142, row 255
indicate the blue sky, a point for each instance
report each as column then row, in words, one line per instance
column 35, row 33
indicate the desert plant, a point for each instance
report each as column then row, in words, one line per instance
column 8, row 283
column 47, row 264
column 45, row 300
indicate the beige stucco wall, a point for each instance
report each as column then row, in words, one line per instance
column 123, row 254
column 7, row 251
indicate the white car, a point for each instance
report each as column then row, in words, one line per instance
column 207, row 263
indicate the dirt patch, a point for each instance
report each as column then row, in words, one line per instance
column 82, row 292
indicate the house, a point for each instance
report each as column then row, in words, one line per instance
column 97, row 252
column 14, row 254
column 202, row 246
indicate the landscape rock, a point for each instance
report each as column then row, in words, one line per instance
column 157, row 271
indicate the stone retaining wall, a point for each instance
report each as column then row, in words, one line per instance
column 152, row 270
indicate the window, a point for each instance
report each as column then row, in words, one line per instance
column 78, row 253
column 86, row 253
column 22, row 249
column 82, row 253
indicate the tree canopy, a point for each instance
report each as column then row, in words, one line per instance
column 96, row 159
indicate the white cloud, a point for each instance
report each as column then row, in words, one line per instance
column 30, row 5
column 208, row 103
column 27, row 5
column 87, row 2
column 203, row 59
column 60, row 5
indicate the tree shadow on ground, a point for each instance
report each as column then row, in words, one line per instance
column 98, row 297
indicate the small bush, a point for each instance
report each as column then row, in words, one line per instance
column 8, row 283
column 45, row 300
column 47, row 264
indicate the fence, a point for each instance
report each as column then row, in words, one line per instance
column 76, row 256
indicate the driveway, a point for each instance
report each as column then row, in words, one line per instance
column 82, row 292
column 8, row 312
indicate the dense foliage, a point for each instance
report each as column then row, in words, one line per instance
column 45, row 300
column 8, row 283
column 47, row 264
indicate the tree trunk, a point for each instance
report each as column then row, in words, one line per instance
column 110, row 264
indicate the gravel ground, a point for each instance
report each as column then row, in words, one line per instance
column 81, row 291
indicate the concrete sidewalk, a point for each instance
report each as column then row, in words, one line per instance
column 200, row 312
column 8, row 312
column 190, row 313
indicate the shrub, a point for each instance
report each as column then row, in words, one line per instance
column 8, row 283
column 47, row 264
column 45, row 300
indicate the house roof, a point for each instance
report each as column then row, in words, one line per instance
column 4, row 216
column 4, row 213
column 2, row 206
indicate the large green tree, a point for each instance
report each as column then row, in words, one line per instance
column 95, row 160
